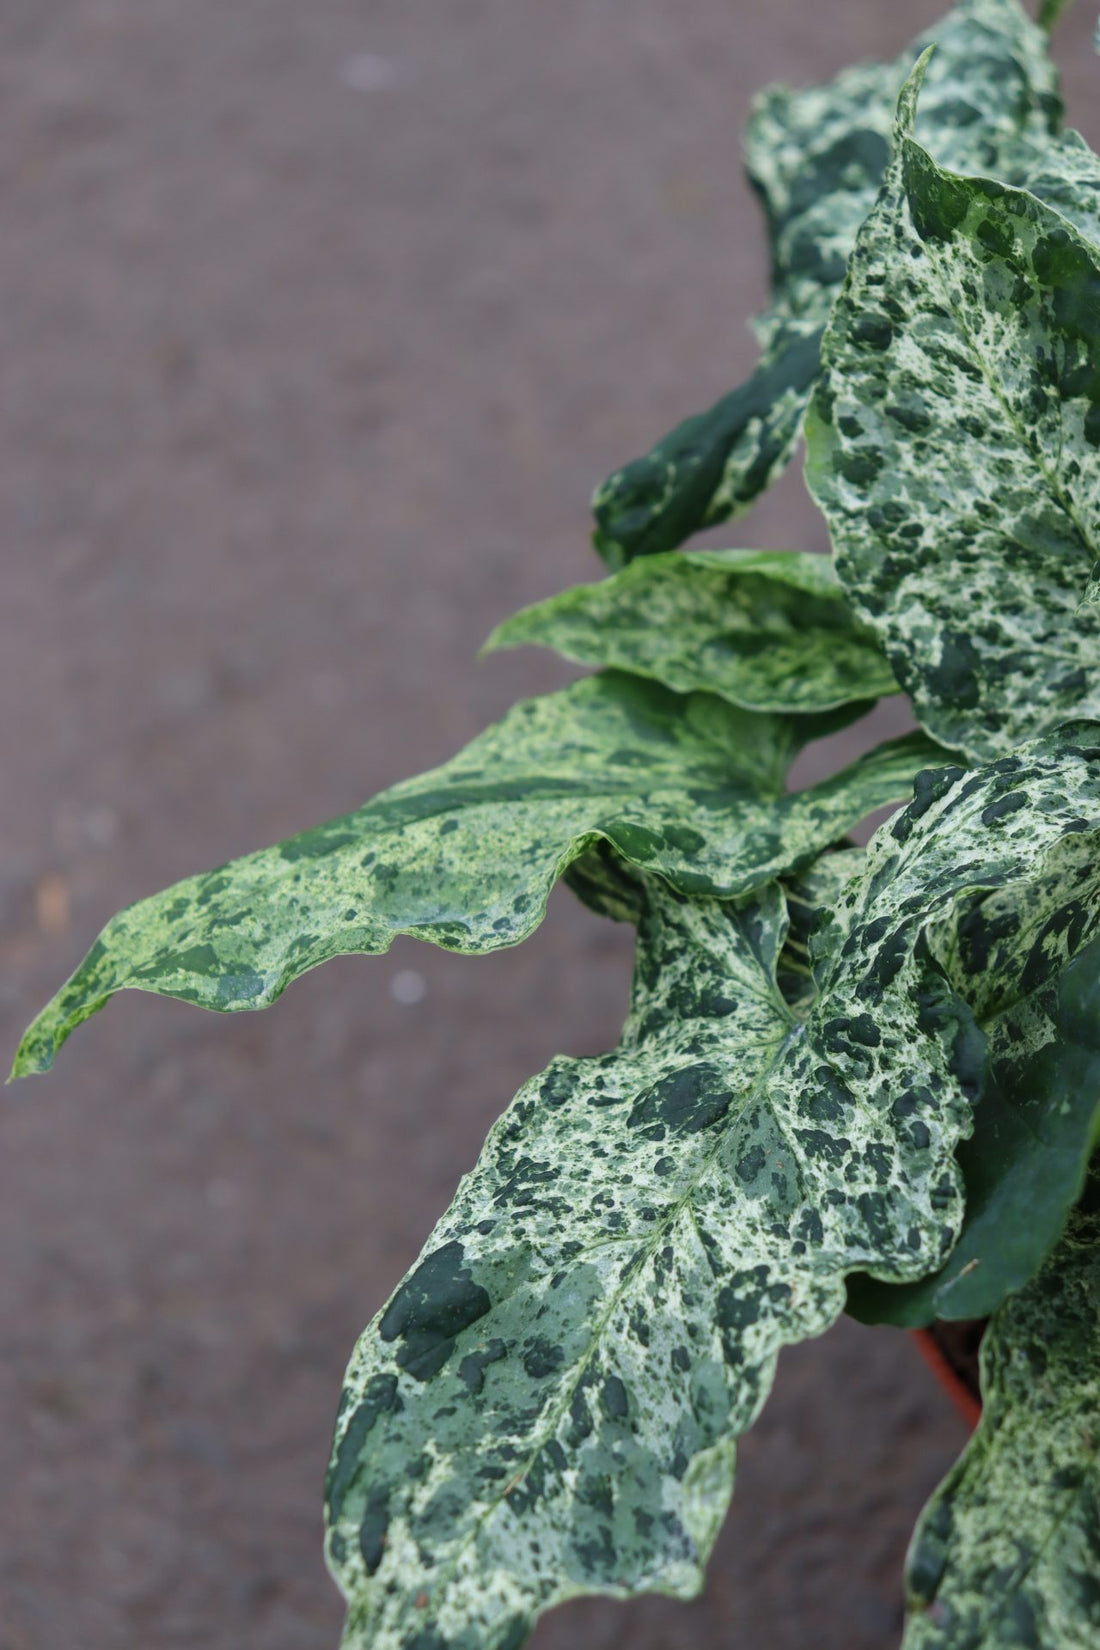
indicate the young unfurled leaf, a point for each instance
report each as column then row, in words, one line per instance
column 466, row 856
column 549, row 1403
column 817, row 158
column 1006, row 1553
column 767, row 630
column 955, row 448
column 1024, row 1166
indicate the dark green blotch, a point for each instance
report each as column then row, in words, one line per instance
column 751, row 1165
column 428, row 1638
column 930, row 785
column 873, row 330
column 557, row 1087
column 938, row 203
column 373, row 1526
column 860, row 467
column 912, row 415
column 471, row 1371
column 928, row 1555
column 1004, row 806
column 687, row 1101
column 543, row 1358
column 379, row 1396
column 433, row 1306
column 613, row 1398
column 955, row 680
column 735, row 1310
column 315, row 844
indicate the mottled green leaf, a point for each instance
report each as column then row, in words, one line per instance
column 767, row 630
column 1034, row 1130
column 811, row 894
column 713, row 464
column 817, row 158
column 466, row 856
column 548, row 1405
column 1064, row 172
column 1007, row 1553
column 954, row 446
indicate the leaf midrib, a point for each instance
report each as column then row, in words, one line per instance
column 1062, row 501
column 440, row 1580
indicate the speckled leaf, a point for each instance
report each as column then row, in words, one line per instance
column 713, row 464
column 549, row 1403
column 767, row 630
column 1034, row 1129
column 466, row 856
column 1064, row 172
column 955, row 449
column 811, row 894
column 817, row 158
column 1007, row 1554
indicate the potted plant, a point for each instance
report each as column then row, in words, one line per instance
column 851, row 1078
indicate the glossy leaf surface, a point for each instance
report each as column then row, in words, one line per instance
column 817, row 159
column 466, row 856
column 1024, row 1167
column 955, row 449
column 1007, row 1553
column 767, row 630
column 549, row 1403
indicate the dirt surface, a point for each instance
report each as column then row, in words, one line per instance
column 319, row 324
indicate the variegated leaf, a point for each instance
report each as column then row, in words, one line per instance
column 1064, row 172
column 767, row 630
column 811, row 894
column 713, row 464
column 817, row 158
column 1007, row 1553
column 1034, row 1131
column 954, row 446
column 548, row 1405
column 466, row 856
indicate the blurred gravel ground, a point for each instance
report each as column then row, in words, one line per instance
column 319, row 324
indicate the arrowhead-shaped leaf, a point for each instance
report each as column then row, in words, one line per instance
column 817, row 159
column 1006, row 1553
column 767, row 630
column 955, row 449
column 466, row 856
column 549, row 1403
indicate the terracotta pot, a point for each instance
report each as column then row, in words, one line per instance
column 951, row 1351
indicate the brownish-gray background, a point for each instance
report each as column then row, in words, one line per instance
column 319, row 323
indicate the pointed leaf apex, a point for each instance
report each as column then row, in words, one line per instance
column 910, row 92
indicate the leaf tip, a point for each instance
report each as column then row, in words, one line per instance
column 34, row 1056
column 910, row 93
